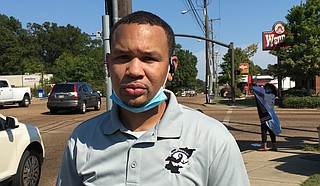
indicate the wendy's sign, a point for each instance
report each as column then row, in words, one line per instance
column 274, row 39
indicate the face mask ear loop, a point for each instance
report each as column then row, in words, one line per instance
column 165, row 81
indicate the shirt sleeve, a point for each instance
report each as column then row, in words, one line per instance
column 228, row 167
column 68, row 174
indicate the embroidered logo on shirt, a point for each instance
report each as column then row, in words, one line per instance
column 178, row 158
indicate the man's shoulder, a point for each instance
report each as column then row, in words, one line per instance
column 197, row 125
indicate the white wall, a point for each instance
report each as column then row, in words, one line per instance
column 32, row 80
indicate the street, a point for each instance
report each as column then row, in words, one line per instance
column 299, row 126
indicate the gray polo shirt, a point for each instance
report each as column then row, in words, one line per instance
column 185, row 148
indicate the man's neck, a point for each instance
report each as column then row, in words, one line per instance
column 142, row 121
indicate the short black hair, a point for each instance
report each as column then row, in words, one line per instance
column 142, row 17
column 273, row 89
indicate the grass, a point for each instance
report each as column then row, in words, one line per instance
column 248, row 102
column 311, row 147
column 313, row 180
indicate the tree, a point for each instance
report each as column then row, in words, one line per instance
column 79, row 69
column 48, row 48
column 185, row 75
column 301, row 57
column 51, row 41
column 32, row 65
column 240, row 56
column 11, row 45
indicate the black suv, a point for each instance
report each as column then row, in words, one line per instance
column 73, row 96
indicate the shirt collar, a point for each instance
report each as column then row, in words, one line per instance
column 170, row 125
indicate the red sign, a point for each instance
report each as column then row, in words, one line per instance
column 244, row 68
column 274, row 39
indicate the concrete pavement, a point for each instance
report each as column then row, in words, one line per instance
column 286, row 167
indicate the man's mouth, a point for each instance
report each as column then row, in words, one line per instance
column 134, row 89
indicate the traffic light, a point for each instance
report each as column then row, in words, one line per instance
column 237, row 72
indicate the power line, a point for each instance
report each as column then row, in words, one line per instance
column 195, row 15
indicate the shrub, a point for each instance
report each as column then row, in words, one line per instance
column 301, row 102
column 295, row 92
column 237, row 92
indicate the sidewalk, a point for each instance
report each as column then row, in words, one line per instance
column 286, row 167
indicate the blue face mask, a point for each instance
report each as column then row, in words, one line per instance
column 156, row 100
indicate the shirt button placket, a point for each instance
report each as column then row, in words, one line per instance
column 133, row 168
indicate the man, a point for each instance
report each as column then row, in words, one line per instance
column 148, row 138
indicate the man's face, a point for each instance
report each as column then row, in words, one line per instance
column 138, row 62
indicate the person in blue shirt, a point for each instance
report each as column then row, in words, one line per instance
column 265, row 98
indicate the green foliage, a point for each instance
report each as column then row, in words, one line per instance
column 238, row 93
column 311, row 147
column 186, row 73
column 301, row 59
column 70, row 55
column 240, row 56
column 11, row 45
column 297, row 92
column 301, row 102
column 32, row 65
column 48, row 48
column 200, row 87
column 227, row 90
column 51, row 41
column 79, row 69
column 313, row 180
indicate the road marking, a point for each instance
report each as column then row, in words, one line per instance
column 226, row 119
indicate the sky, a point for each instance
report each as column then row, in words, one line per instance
column 239, row 21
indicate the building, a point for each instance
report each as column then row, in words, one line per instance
column 32, row 80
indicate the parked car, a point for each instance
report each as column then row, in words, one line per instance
column 73, row 96
column 22, row 153
column 9, row 94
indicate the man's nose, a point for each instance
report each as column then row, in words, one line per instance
column 135, row 68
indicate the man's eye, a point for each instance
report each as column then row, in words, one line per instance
column 123, row 57
column 148, row 59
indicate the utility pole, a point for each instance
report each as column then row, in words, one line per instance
column 113, row 10
column 124, row 7
column 208, row 75
column 231, row 48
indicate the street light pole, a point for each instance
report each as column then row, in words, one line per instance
column 214, row 68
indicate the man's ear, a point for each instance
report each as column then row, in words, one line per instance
column 174, row 60
column 108, row 66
